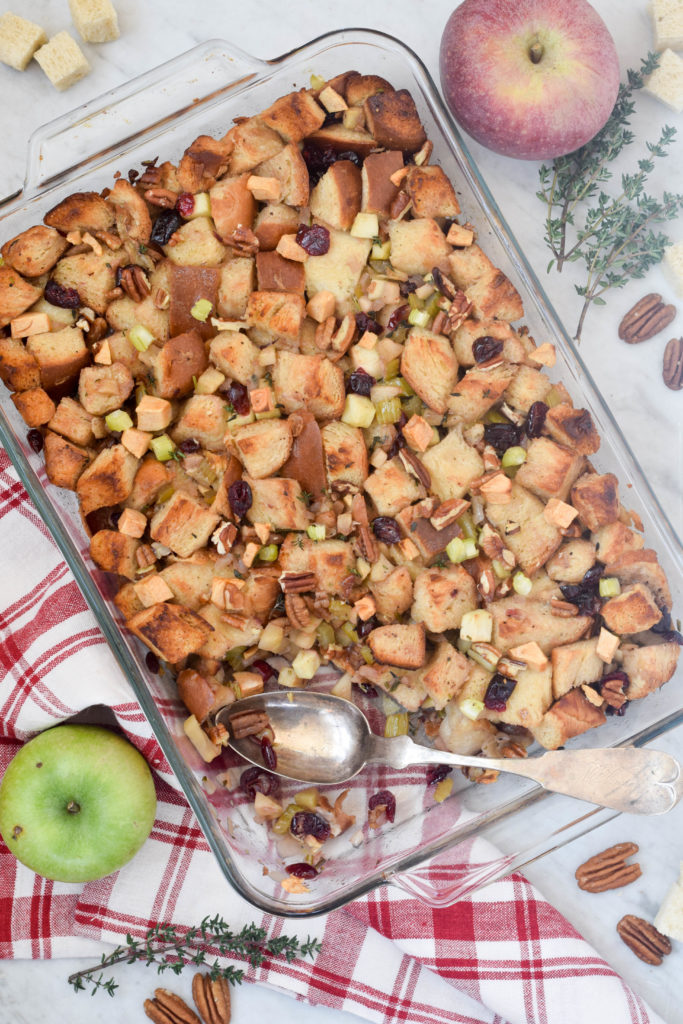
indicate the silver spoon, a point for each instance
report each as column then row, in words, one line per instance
column 325, row 740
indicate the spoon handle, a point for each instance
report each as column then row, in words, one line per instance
column 635, row 780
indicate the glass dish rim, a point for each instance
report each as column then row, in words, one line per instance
column 86, row 583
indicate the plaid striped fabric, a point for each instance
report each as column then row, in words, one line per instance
column 503, row 956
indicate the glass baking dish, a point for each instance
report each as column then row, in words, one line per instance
column 159, row 114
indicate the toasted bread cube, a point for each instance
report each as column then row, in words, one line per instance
column 549, row 470
column 64, row 462
column 203, row 162
column 596, row 499
column 642, row 567
column 470, row 330
column 236, row 356
column 93, row 275
column 132, row 523
column 399, row 645
column 430, row 542
column 81, row 211
column 309, row 382
column 201, row 694
column 529, row 701
column 153, row 413
column 445, row 674
column 101, row 389
column 108, row 480
column 204, row 418
column 59, row 354
column 526, row 387
column 358, row 88
column 378, row 190
column 418, row 433
column 232, row 205
column 152, row 590
column 460, row 734
column 328, row 559
column 460, row 235
column 570, row 716
column 36, row 250
column 336, row 199
column 633, row 611
column 573, row 428
column 123, row 314
column 520, row 620
column 114, row 551
column 63, row 61
column 393, row 595
column 275, row 316
column 253, row 142
column 126, row 601
column 649, row 667
column 178, row 365
column 346, row 456
column 278, row 273
column 226, row 636
column 487, row 288
column 19, row 40
column 195, row 244
column 294, row 116
column 442, row 596
column 237, row 281
column 430, row 192
column 35, row 406
column 186, row 286
column 417, row 245
column 191, row 579
column 429, row 366
column 472, row 396
column 183, row 524
column 526, row 531
column 339, row 269
column 452, row 464
column 274, row 221
column 278, row 501
column 615, row 539
column 16, row 295
column 95, row 20
column 19, row 369
column 151, row 477
column 393, row 120
column 575, row 664
column 265, row 190
column 263, row 447
column 289, row 169
column 171, row 631
column 571, row 561
column 392, row 488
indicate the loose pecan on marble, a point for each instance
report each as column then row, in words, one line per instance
column 643, row 939
column 672, row 368
column 608, row 870
column 647, row 318
column 168, row 1008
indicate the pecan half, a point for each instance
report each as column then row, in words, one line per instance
column 297, row 582
column 144, row 556
column 563, row 609
column 134, row 283
column 448, row 512
column 367, row 545
column 672, row 369
column 248, row 723
column 168, row 1008
column 297, row 611
column 162, row 197
column 415, row 467
column 460, row 308
column 643, row 939
column 243, row 241
column 608, row 870
column 647, row 318
column 612, row 692
column 212, row 998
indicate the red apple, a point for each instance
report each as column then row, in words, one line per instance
column 531, row 79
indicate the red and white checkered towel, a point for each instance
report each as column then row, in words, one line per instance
column 503, row 955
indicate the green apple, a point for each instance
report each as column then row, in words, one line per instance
column 76, row 803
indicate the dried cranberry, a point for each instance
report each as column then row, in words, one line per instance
column 585, row 595
column 498, row 692
column 35, row 440
column 502, row 436
column 301, row 870
column 240, row 498
column 386, row 800
column 185, row 204
column 317, row 159
column 365, row 322
column 399, row 441
column 386, row 529
column 190, row 446
column 266, row 671
column 360, row 383
column 238, row 397
column 486, row 348
column 535, row 419
column 350, row 154
column 315, row 240
column 257, row 780
column 437, row 772
column 152, row 662
column 57, row 295
column 399, row 314
column 114, row 517
column 619, row 712
column 367, row 626
column 406, row 288
column 268, row 753
column 306, row 823
column 166, row 224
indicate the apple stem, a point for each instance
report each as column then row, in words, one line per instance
column 72, row 807
column 536, row 52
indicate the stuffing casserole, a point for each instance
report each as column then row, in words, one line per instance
column 282, row 379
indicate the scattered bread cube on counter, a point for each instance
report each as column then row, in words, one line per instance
column 667, row 22
column 666, row 81
column 19, row 40
column 95, row 20
column 63, row 61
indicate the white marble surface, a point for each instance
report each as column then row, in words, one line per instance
column 629, row 377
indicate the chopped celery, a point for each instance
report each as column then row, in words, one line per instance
column 609, row 586
column 414, row 302
column 419, row 317
column 316, row 531
column 521, row 584
column 325, row 634
column 396, row 725
column 392, row 368
column 339, row 609
column 281, row 825
column 471, row 708
column 234, row 658
column 118, row 421
column 163, row 447
column 380, row 252
column 269, row 553
column 466, row 524
column 140, row 338
column 455, row 550
column 514, row 456
column 367, row 654
column 388, row 410
column 201, row 309
column 402, row 383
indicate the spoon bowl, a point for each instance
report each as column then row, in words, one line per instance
column 321, row 739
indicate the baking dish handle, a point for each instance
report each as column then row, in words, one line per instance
column 108, row 123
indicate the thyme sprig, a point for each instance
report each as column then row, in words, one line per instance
column 615, row 237
column 172, row 949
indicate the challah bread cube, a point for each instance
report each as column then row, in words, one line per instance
column 95, row 20
column 63, row 61
column 19, row 40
